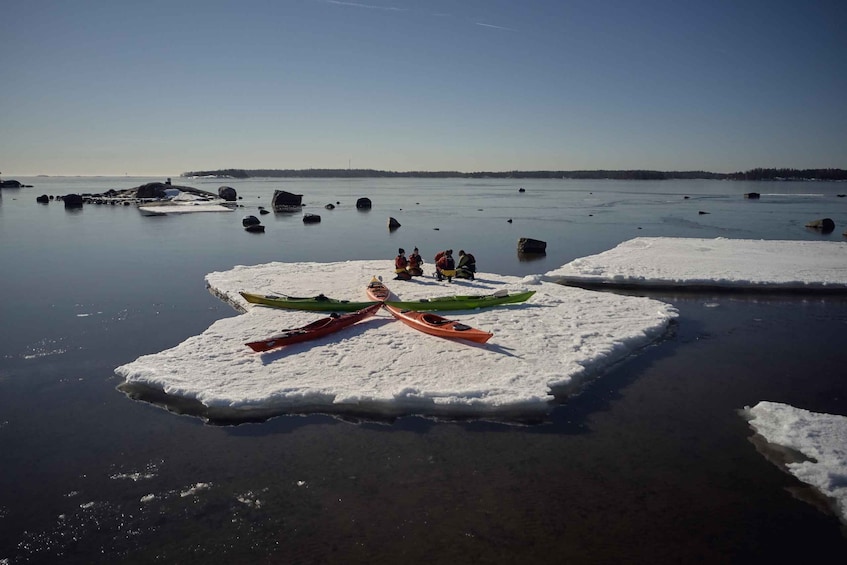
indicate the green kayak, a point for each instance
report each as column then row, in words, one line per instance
column 462, row 302
column 319, row 303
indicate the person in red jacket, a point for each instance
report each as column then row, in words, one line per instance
column 400, row 265
column 415, row 262
column 445, row 266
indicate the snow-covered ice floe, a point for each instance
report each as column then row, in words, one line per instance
column 814, row 447
column 664, row 262
column 543, row 348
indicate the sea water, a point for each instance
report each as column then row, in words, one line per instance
column 649, row 463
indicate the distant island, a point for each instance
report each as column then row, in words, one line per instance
column 753, row 174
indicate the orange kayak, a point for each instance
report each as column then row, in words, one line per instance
column 436, row 325
column 377, row 291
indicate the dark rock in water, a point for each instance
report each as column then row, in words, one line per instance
column 311, row 219
column 509, row 220
column 528, row 245
column 824, row 225
column 752, row 195
column 393, row 224
column 72, row 201
column 255, row 228
column 521, row 189
column 330, row 206
column 11, row 184
column 701, row 212
column 44, row 199
column 152, row 190
column 250, row 221
column 364, row 204
column 263, row 211
column 228, row 193
column 284, row 201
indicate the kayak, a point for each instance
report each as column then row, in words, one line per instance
column 377, row 291
column 434, row 324
column 319, row 303
column 462, row 302
column 316, row 329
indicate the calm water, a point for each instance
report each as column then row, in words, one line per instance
column 650, row 463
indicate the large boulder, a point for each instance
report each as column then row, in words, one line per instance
column 250, row 221
column 393, row 224
column 43, row 199
column 284, row 201
column 311, row 219
column 363, row 203
column 72, row 201
column 228, row 193
column 152, row 190
column 529, row 245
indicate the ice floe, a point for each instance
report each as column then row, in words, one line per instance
column 819, row 440
column 551, row 343
column 710, row 263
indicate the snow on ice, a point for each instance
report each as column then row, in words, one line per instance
column 820, row 438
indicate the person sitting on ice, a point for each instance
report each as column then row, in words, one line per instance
column 467, row 265
column 415, row 262
column 400, row 264
column 445, row 266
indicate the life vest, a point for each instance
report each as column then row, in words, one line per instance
column 446, row 263
column 400, row 264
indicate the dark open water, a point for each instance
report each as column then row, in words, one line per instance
column 650, row 464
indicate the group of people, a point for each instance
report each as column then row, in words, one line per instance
column 408, row 267
column 445, row 265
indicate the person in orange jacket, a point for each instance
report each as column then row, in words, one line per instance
column 400, row 265
column 445, row 266
column 415, row 261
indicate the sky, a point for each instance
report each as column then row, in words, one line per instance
column 163, row 87
column 580, row 334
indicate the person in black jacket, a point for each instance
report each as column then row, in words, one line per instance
column 467, row 265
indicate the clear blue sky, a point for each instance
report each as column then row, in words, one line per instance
column 162, row 87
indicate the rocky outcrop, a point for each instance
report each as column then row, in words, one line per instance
column 364, row 203
column 529, row 245
column 393, row 224
column 43, row 199
column 72, row 201
column 151, row 190
column 284, row 201
column 227, row 193
column 250, row 221
column 311, row 219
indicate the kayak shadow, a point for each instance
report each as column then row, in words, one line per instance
column 357, row 329
column 495, row 348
